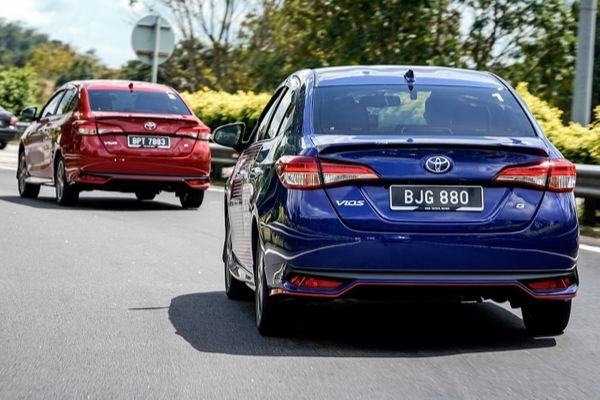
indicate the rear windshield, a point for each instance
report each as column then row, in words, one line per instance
column 2, row 109
column 137, row 102
column 431, row 110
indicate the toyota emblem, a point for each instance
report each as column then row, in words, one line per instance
column 150, row 126
column 438, row 164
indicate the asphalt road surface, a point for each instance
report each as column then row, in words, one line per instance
column 121, row 299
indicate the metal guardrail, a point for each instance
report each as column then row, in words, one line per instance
column 588, row 188
column 221, row 157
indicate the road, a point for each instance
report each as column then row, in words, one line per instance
column 120, row 299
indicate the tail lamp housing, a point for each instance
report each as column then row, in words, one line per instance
column 301, row 172
column 552, row 175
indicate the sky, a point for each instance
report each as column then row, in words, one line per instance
column 103, row 25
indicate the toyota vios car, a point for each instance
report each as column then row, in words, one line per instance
column 421, row 183
column 115, row 135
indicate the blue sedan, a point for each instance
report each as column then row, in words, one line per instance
column 403, row 183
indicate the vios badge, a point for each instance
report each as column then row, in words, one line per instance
column 438, row 164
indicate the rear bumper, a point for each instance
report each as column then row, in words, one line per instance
column 132, row 182
column 504, row 286
column 92, row 167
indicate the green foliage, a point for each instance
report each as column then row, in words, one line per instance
column 217, row 108
column 17, row 43
column 18, row 89
column 579, row 144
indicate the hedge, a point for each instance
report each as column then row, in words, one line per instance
column 580, row 144
column 216, row 108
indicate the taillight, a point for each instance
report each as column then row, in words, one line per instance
column 91, row 128
column 554, row 175
column 197, row 132
column 299, row 172
column 13, row 121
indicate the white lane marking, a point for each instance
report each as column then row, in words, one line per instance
column 216, row 189
column 8, row 168
column 589, row 248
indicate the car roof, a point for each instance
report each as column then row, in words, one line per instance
column 394, row 74
column 118, row 84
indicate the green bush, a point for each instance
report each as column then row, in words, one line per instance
column 579, row 144
column 216, row 108
column 18, row 89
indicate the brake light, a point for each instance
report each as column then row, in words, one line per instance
column 90, row 128
column 299, row 172
column 554, row 175
column 314, row 283
column 196, row 132
column 13, row 121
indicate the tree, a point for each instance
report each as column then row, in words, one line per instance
column 18, row 88
column 17, row 43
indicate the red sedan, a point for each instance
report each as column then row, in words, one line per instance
column 115, row 135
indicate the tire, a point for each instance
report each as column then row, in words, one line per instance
column 192, row 198
column 26, row 190
column 266, row 307
column 145, row 196
column 546, row 317
column 66, row 195
column 2, row 144
column 234, row 289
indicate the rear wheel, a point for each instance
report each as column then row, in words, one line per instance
column 66, row 195
column 192, row 198
column 2, row 144
column 267, row 308
column 26, row 190
column 145, row 195
column 546, row 317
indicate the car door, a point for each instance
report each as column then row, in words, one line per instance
column 238, row 206
column 38, row 142
column 60, row 126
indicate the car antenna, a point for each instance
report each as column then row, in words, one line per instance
column 130, row 86
column 409, row 76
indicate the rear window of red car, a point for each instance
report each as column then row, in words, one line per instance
column 143, row 102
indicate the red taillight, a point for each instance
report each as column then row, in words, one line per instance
column 197, row 132
column 308, row 282
column 555, row 175
column 552, row 284
column 298, row 172
column 13, row 121
column 91, row 128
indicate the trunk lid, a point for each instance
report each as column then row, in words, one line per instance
column 401, row 161
column 120, row 127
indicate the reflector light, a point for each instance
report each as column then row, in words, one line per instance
column 314, row 283
column 554, row 175
column 299, row 172
column 13, row 121
column 551, row 284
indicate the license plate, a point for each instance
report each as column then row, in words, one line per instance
column 436, row 198
column 153, row 142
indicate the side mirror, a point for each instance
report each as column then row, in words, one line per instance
column 230, row 135
column 28, row 114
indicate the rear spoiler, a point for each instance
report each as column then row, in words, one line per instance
column 327, row 144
